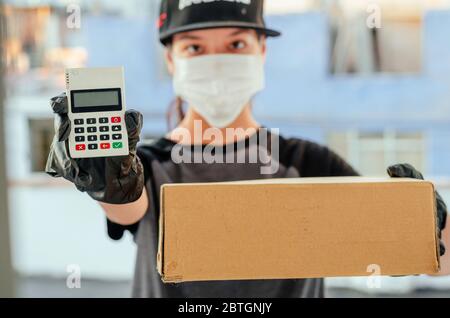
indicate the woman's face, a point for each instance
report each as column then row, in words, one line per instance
column 214, row 41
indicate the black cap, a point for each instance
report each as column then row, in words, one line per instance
column 187, row 15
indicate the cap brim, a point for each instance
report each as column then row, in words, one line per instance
column 165, row 36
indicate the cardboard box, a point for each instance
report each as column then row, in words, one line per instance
column 297, row 228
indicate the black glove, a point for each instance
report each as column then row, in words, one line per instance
column 408, row 171
column 114, row 180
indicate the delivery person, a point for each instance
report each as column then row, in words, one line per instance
column 215, row 51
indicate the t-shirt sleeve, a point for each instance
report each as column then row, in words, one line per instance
column 314, row 160
column 338, row 166
column 116, row 231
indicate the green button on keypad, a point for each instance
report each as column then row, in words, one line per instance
column 117, row 145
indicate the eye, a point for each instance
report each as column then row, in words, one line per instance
column 238, row 45
column 193, row 49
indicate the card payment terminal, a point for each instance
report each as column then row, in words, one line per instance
column 96, row 98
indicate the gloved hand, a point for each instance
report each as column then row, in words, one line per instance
column 114, row 180
column 408, row 171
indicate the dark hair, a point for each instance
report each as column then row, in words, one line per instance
column 175, row 113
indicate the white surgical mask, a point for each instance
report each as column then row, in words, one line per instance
column 219, row 86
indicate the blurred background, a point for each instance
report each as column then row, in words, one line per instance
column 375, row 93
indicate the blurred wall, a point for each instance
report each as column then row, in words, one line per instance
column 6, row 271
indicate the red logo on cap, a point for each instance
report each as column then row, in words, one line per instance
column 162, row 19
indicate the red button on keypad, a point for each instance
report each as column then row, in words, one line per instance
column 116, row 120
column 105, row 146
column 80, row 147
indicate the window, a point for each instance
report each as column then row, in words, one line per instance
column 41, row 137
column 36, row 47
column 25, row 37
column 399, row 46
column 394, row 48
column 372, row 152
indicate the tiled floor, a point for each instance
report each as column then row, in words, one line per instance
column 53, row 287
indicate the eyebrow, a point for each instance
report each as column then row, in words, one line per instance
column 188, row 37
column 239, row 32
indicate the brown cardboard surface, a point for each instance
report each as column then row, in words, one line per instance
column 297, row 228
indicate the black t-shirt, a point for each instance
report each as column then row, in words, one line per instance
column 294, row 158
